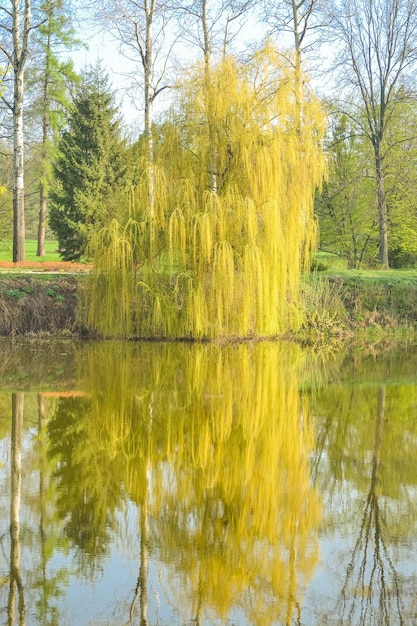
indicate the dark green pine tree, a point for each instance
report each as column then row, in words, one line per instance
column 90, row 168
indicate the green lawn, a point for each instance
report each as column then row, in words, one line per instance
column 381, row 276
column 51, row 254
column 327, row 260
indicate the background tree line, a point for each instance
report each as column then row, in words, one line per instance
column 366, row 53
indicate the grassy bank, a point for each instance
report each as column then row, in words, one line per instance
column 338, row 304
column 353, row 302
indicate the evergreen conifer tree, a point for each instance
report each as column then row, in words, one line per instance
column 89, row 171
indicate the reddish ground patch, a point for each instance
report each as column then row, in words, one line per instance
column 45, row 266
column 63, row 394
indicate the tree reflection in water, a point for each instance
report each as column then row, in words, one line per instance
column 15, row 577
column 193, row 464
column 371, row 590
column 365, row 463
column 212, row 446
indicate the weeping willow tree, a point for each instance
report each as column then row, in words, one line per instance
column 231, row 225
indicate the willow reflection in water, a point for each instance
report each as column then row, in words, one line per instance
column 215, row 456
column 208, row 449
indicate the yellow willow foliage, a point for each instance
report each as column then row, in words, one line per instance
column 177, row 237
column 237, row 165
column 215, row 443
column 250, row 454
column 112, row 409
column 139, row 196
column 114, row 272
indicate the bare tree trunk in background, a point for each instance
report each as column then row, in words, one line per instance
column 144, row 566
column 18, row 171
column 147, row 60
column 42, row 220
column 43, row 197
column 381, row 201
column 20, row 35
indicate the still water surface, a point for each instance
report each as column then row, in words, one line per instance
column 171, row 485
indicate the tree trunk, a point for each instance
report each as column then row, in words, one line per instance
column 296, row 22
column 20, row 50
column 143, row 571
column 147, row 68
column 382, row 208
column 210, row 105
column 148, row 65
column 43, row 197
column 18, row 170
column 42, row 220
column 15, row 581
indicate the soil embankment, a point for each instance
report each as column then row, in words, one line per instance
column 39, row 297
column 33, row 303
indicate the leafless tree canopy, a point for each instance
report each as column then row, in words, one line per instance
column 377, row 53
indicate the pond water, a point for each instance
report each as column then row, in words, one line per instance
column 171, row 485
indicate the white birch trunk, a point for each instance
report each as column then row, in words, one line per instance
column 18, row 171
column 20, row 49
